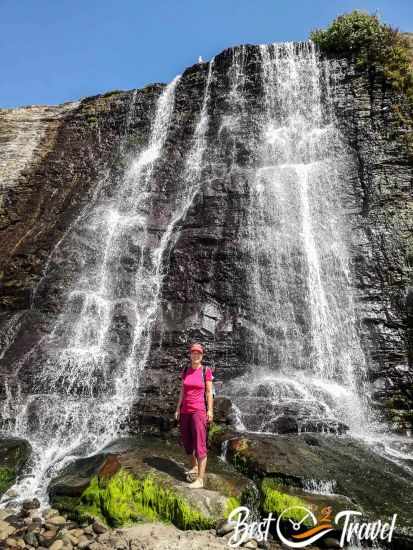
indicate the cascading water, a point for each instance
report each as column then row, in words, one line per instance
column 87, row 383
column 81, row 401
column 308, row 362
column 308, row 369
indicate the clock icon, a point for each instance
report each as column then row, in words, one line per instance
column 292, row 511
column 307, row 516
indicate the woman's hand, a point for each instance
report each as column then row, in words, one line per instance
column 210, row 416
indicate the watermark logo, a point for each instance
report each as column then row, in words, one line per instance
column 316, row 530
column 298, row 527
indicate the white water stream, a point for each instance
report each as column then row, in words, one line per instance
column 79, row 352
column 308, row 360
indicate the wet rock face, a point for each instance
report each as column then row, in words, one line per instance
column 381, row 217
column 52, row 160
column 204, row 291
column 70, row 149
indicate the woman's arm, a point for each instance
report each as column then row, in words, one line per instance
column 178, row 407
column 210, row 401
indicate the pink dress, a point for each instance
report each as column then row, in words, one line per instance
column 193, row 418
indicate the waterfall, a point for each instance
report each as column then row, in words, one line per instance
column 93, row 356
column 306, row 366
column 308, row 362
column 80, row 397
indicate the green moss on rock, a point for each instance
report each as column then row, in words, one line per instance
column 241, row 463
column 232, row 503
column 7, row 477
column 240, row 456
column 214, row 431
column 274, row 500
column 91, row 118
column 136, row 141
column 75, row 510
column 123, row 500
column 14, row 453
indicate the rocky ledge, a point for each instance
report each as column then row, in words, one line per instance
column 134, row 493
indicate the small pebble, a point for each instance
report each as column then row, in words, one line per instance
column 99, row 528
column 30, row 504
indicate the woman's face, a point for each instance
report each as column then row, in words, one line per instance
column 196, row 356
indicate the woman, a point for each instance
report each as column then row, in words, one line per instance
column 193, row 415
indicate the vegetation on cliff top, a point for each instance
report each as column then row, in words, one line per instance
column 368, row 42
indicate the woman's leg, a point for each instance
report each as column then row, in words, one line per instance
column 194, row 461
column 187, row 438
column 202, row 467
column 199, row 426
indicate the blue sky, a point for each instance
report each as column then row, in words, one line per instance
column 60, row 50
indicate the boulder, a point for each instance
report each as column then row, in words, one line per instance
column 326, row 463
column 161, row 460
column 14, row 453
column 76, row 476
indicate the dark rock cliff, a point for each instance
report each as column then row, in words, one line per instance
column 382, row 234
column 54, row 158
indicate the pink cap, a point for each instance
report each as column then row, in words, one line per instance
column 197, row 347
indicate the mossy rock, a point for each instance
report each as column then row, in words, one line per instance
column 373, row 483
column 219, row 435
column 76, row 476
column 275, row 500
column 91, row 118
column 242, row 455
column 149, row 485
column 71, row 508
column 136, row 141
column 214, row 431
column 7, row 477
column 124, row 499
column 277, row 497
column 14, row 453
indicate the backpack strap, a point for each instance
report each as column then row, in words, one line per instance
column 204, row 378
